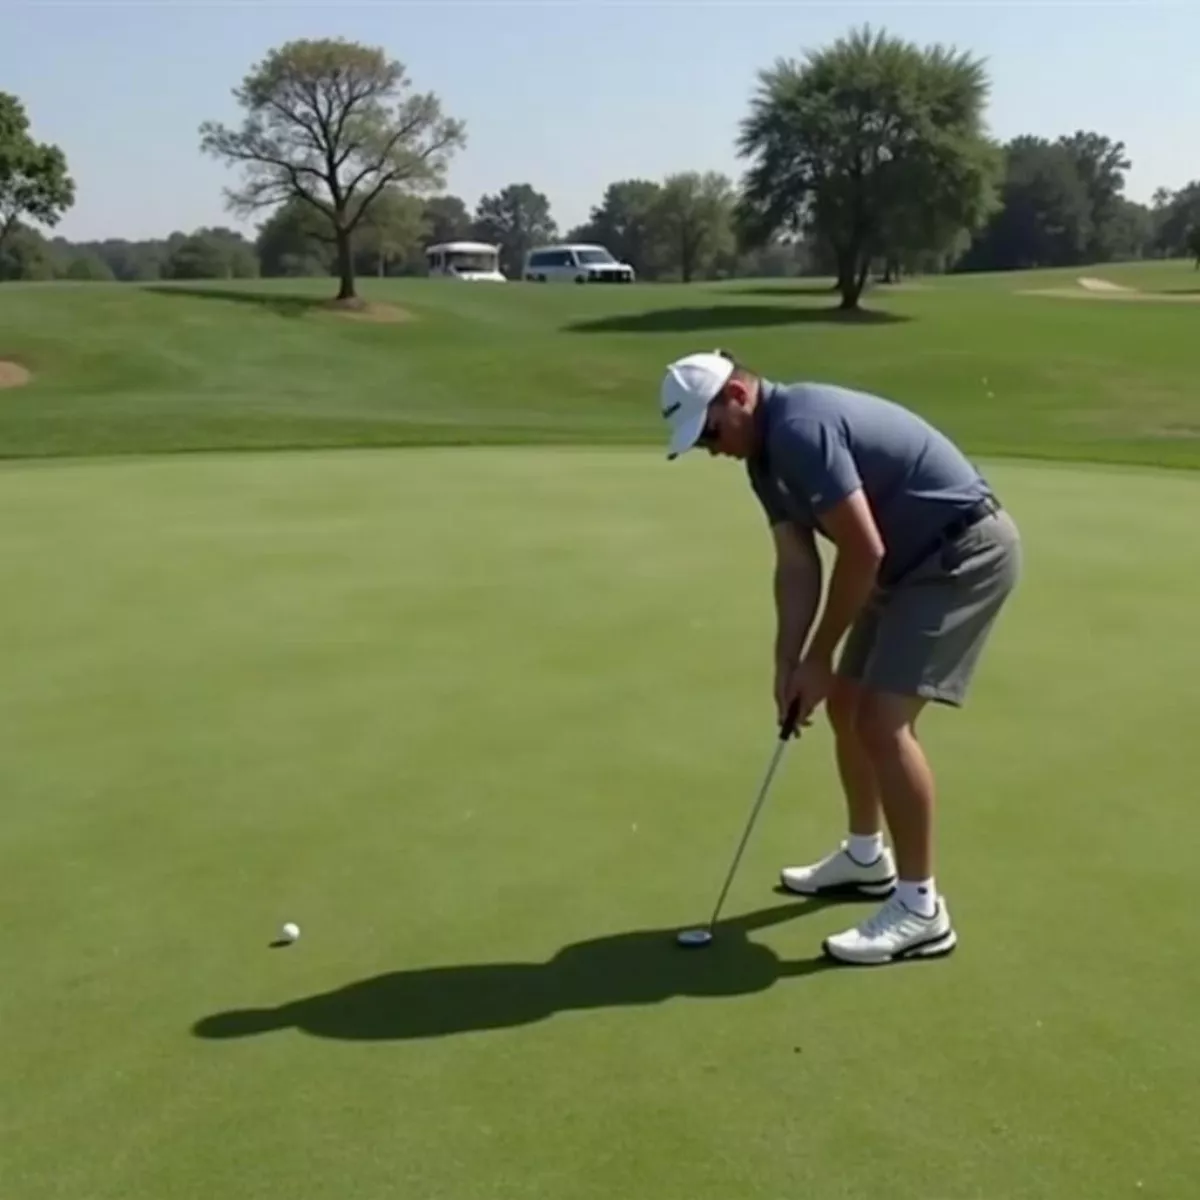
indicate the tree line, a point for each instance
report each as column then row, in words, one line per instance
column 867, row 157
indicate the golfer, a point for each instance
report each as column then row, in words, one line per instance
column 924, row 559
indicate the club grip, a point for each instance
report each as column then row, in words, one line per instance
column 791, row 720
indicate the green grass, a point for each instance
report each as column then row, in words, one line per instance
column 260, row 365
column 487, row 723
column 486, row 719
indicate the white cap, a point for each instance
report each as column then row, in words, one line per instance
column 689, row 386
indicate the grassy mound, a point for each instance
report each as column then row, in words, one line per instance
column 123, row 369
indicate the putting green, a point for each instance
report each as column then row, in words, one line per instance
column 487, row 725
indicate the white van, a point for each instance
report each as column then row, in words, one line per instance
column 472, row 261
column 575, row 263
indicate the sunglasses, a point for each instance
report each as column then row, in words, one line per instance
column 710, row 435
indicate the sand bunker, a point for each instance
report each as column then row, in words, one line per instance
column 13, row 375
column 1103, row 289
column 1101, row 285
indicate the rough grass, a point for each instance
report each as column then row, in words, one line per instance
column 120, row 369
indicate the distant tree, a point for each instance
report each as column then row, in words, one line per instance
column 782, row 257
column 126, row 260
column 211, row 254
column 1045, row 215
column 866, row 137
column 587, row 232
column 1175, row 215
column 447, row 219
column 34, row 183
column 1101, row 165
column 393, row 231
column 325, row 125
column 1131, row 230
column 88, row 267
column 626, row 221
column 693, row 220
column 1193, row 243
column 27, row 256
column 515, row 219
column 297, row 241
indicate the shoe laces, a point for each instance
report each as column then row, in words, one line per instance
column 893, row 913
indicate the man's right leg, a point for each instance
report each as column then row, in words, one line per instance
column 862, row 863
column 864, row 808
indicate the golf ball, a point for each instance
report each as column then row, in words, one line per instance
column 291, row 931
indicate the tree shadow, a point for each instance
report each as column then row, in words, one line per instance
column 637, row 968
column 730, row 316
column 785, row 287
column 284, row 304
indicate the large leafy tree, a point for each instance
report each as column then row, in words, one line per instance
column 327, row 124
column 868, row 141
column 34, row 183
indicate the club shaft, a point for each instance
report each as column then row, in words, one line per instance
column 762, row 795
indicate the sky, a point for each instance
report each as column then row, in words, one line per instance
column 568, row 95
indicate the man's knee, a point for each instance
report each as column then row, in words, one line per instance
column 884, row 721
column 842, row 705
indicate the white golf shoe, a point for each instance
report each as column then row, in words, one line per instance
column 839, row 874
column 893, row 934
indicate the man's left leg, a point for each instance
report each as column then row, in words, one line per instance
column 932, row 633
column 887, row 729
column 915, row 922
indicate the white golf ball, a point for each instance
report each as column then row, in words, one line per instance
column 291, row 931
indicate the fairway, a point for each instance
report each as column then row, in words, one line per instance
column 264, row 365
column 487, row 723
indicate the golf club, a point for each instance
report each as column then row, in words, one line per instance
column 703, row 936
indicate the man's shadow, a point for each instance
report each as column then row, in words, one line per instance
column 625, row 969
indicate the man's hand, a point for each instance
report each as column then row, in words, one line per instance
column 787, row 685
column 809, row 681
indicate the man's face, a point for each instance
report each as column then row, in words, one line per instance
column 729, row 430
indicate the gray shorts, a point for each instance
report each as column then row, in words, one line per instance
column 923, row 636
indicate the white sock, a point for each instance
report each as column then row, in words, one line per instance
column 918, row 895
column 865, row 848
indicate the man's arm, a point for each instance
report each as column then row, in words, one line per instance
column 797, row 590
column 851, row 526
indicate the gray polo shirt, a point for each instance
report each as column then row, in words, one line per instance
column 821, row 442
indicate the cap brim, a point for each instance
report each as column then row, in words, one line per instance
column 687, row 434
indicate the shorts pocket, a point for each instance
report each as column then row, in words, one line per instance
column 954, row 555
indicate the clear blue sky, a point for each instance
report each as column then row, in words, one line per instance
column 565, row 94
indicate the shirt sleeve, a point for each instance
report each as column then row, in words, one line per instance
column 768, row 498
column 815, row 459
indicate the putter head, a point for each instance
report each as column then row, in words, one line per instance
column 694, row 937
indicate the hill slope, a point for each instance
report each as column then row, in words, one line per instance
column 125, row 369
